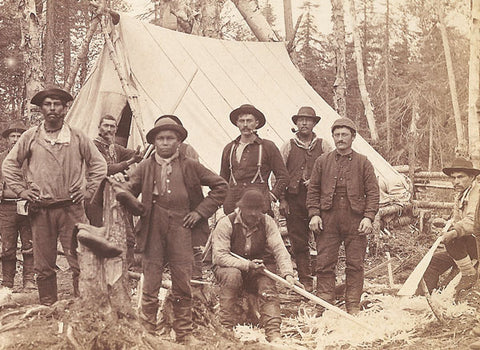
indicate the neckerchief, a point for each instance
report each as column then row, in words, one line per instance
column 304, row 145
column 166, row 166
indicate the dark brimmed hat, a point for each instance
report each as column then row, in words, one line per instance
column 167, row 122
column 252, row 199
column 248, row 109
column 344, row 122
column 62, row 95
column 461, row 164
column 306, row 112
column 16, row 125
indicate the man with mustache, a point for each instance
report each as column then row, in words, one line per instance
column 63, row 168
column 299, row 154
column 460, row 239
column 342, row 200
column 248, row 161
column 13, row 224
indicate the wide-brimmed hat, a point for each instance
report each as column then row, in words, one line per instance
column 252, row 199
column 461, row 164
column 62, row 95
column 344, row 122
column 306, row 112
column 16, row 126
column 248, row 109
column 167, row 122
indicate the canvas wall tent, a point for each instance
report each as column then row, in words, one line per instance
column 159, row 65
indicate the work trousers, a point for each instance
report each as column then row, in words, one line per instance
column 48, row 226
column 232, row 281
column 340, row 224
column 13, row 225
column 169, row 242
column 443, row 259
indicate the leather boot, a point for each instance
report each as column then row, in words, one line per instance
column 28, row 272
column 148, row 317
column 182, row 325
column 47, row 290
column 8, row 272
column 325, row 291
column 303, row 270
column 270, row 318
column 353, row 293
column 228, row 302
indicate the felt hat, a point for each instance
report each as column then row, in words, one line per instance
column 167, row 122
column 247, row 109
column 306, row 112
column 252, row 199
column 461, row 164
column 344, row 122
column 62, row 95
column 16, row 125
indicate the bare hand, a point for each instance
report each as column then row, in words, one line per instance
column 284, row 208
column 255, row 265
column 306, row 182
column 31, row 194
column 293, row 281
column 449, row 236
column 76, row 195
column 316, row 224
column 365, row 226
column 191, row 219
column 119, row 177
column 138, row 155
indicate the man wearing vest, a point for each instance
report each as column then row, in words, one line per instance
column 299, row 154
column 248, row 161
column 255, row 236
column 13, row 224
column 460, row 239
column 342, row 200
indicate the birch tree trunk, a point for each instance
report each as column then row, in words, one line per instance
column 256, row 21
column 209, row 24
column 288, row 20
column 361, row 76
column 340, row 84
column 387, row 77
column 31, row 44
column 461, row 144
column 412, row 141
column 67, row 50
column 474, row 83
column 49, row 43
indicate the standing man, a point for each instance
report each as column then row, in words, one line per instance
column 13, row 224
column 342, row 200
column 460, row 241
column 58, row 161
column 248, row 161
column 175, row 209
column 299, row 154
column 250, row 233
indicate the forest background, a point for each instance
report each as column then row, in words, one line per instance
column 404, row 54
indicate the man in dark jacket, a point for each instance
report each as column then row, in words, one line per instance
column 342, row 200
column 175, row 209
column 299, row 154
column 248, row 161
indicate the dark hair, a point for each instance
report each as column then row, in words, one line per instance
column 107, row 117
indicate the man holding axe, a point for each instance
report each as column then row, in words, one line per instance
column 460, row 241
column 250, row 234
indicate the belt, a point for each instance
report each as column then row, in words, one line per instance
column 51, row 204
column 10, row 200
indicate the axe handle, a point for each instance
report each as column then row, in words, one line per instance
column 309, row 296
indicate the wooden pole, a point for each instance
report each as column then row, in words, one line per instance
column 287, row 16
column 389, row 269
column 310, row 296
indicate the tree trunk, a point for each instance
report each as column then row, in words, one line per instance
column 430, row 141
column 474, row 84
column 387, row 78
column 67, row 51
column 209, row 24
column 340, row 84
column 412, row 141
column 30, row 26
column 256, row 21
column 288, row 19
column 461, row 144
column 361, row 76
column 49, row 43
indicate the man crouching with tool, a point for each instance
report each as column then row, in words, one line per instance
column 245, row 243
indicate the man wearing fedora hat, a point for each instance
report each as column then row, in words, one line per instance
column 299, row 154
column 62, row 168
column 250, row 233
column 248, row 161
column 342, row 201
column 12, row 224
column 175, row 210
column 460, row 238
